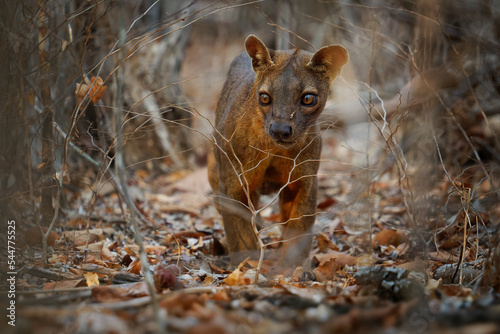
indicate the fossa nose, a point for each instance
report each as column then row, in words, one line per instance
column 280, row 131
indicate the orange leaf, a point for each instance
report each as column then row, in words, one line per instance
column 388, row 237
column 221, row 296
column 237, row 277
column 111, row 293
column 92, row 278
column 98, row 88
column 40, row 166
column 95, row 90
column 234, row 277
column 326, row 270
column 324, row 243
column 135, row 267
column 70, row 284
column 141, row 173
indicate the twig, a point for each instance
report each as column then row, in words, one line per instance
column 22, row 110
column 98, row 165
column 464, row 242
column 49, row 212
column 161, row 326
column 467, row 196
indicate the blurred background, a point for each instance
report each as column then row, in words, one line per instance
column 418, row 103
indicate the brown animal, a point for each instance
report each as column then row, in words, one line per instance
column 267, row 139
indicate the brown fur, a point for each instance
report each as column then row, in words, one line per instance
column 271, row 147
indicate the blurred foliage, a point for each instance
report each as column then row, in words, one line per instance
column 176, row 58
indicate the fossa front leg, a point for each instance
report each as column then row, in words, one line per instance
column 298, row 210
column 238, row 220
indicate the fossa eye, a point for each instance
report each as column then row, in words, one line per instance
column 264, row 99
column 308, row 100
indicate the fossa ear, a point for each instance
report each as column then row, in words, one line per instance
column 259, row 53
column 329, row 60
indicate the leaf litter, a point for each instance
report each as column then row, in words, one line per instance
column 352, row 282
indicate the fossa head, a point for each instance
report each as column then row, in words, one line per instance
column 291, row 87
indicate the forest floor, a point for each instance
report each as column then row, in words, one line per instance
column 391, row 284
column 400, row 246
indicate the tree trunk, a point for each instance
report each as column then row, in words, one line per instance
column 48, row 155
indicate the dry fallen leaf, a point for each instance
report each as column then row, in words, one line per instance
column 249, row 276
column 107, row 254
column 155, row 250
column 388, row 237
column 297, row 274
column 417, row 265
column 365, row 260
column 135, row 266
column 455, row 290
column 132, row 250
column 96, row 246
column 238, row 277
column 81, row 237
column 341, row 259
column 453, row 241
column 141, row 173
column 209, row 280
column 179, row 304
column 326, row 269
column 324, row 243
column 234, row 278
column 67, row 284
column 433, row 284
column 59, row 258
column 114, row 293
column 92, row 278
column 222, row 296
column 266, row 265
